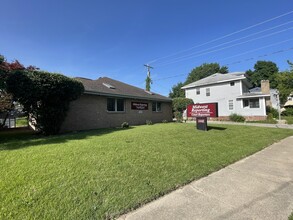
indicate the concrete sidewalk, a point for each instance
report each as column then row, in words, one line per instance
column 257, row 187
column 285, row 126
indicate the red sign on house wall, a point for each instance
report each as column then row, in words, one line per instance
column 203, row 110
column 139, row 106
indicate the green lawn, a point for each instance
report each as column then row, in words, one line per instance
column 21, row 122
column 289, row 119
column 267, row 121
column 103, row 173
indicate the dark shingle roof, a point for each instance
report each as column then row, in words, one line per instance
column 110, row 87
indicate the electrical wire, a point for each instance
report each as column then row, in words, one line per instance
column 236, row 62
column 235, row 40
column 223, row 48
column 222, row 37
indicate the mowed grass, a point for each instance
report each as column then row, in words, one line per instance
column 102, row 173
column 21, row 122
column 289, row 119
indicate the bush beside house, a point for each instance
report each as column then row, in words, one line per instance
column 179, row 105
column 45, row 97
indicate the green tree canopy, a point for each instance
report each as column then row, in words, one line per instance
column 6, row 99
column 285, row 83
column 197, row 73
column 45, row 96
column 205, row 70
column 179, row 104
column 177, row 91
column 263, row 70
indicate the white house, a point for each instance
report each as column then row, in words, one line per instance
column 231, row 92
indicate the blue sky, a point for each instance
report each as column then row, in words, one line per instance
column 115, row 38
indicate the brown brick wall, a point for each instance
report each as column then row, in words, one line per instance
column 90, row 112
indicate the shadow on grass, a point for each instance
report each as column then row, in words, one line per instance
column 22, row 138
column 216, row 128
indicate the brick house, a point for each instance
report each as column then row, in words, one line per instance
column 108, row 103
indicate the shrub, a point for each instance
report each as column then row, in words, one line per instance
column 178, row 116
column 270, row 116
column 179, row 104
column 274, row 112
column 44, row 96
column 236, row 118
column 148, row 122
column 288, row 112
column 125, row 125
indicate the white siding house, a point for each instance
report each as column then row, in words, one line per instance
column 231, row 92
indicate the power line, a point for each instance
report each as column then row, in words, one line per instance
column 257, row 49
column 250, row 35
column 264, row 55
column 223, row 48
column 236, row 62
column 222, row 37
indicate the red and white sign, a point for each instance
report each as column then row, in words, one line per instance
column 139, row 106
column 203, row 110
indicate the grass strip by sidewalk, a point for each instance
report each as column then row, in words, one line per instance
column 103, row 173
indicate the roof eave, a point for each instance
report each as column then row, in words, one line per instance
column 253, row 96
column 125, row 96
column 206, row 84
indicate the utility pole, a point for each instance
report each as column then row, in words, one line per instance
column 148, row 79
column 149, row 69
column 279, row 105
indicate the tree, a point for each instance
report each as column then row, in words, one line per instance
column 179, row 105
column 205, row 70
column 6, row 99
column 290, row 65
column 45, row 96
column 177, row 91
column 197, row 73
column 263, row 70
column 285, row 83
column 148, row 82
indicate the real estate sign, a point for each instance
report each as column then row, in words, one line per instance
column 203, row 110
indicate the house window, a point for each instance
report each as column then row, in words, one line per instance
column 254, row 103
column 250, row 103
column 232, row 83
column 208, row 91
column 156, row 106
column 198, row 91
column 115, row 105
column 230, row 103
column 245, row 103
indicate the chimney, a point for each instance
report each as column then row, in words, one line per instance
column 265, row 89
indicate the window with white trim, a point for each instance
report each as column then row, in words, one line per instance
column 208, row 91
column 115, row 105
column 245, row 103
column 254, row 103
column 230, row 105
column 250, row 103
column 156, row 106
column 198, row 91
